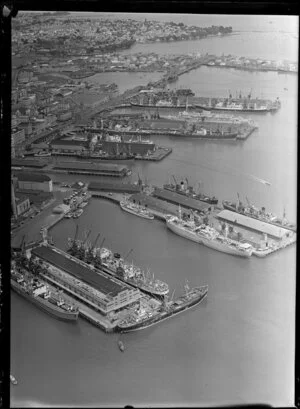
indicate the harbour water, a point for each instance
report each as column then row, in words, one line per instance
column 238, row 345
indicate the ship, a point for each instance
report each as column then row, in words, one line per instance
column 136, row 209
column 238, row 104
column 203, row 133
column 142, row 318
column 121, row 346
column 209, row 117
column 116, row 266
column 208, row 236
column 186, row 190
column 38, row 293
column 259, row 214
column 42, row 154
column 159, row 104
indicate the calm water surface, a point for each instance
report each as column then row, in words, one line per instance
column 237, row 346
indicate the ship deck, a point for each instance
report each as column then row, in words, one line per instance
column 181, row 200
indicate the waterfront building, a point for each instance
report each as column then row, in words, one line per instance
column 94, row 288
column 34, row 181
column 22, row 204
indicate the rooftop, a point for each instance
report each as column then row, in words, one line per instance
column 97, row 280
column 252, row 224
column 33, row 177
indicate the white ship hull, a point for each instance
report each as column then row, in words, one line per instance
column 148, row 216
column 214, row 244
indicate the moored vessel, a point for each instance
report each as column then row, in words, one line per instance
column 186, row 190
column 208, row 236
column 259, row 214
column 39, row 294
column 136, row 209
column 145, row 318
column 113, row 264
column 238, row 104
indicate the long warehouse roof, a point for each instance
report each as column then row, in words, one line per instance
column 251, row 223
column 90, row 166
column 97, row 280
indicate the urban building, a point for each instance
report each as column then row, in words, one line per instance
column 33, row 181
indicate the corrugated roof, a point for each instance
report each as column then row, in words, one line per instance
column 90, row 166
column 33, row 177
column 27, row 163
column 100, row 282
column 252, row 224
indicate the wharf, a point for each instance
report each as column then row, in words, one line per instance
column 255, row 225
column 85, row 312
column 113, row 187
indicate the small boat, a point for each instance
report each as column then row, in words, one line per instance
column 121, row 346
column 13, row 380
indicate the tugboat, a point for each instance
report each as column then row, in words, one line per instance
column 121, row 346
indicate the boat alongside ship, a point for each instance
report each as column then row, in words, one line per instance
column 39, row 294
column 143, row 319
column 259, row 214
column 188, row 191
column 136, row 209
column 208, row 236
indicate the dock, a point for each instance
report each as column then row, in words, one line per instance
column 254, row 225
column 102, row 299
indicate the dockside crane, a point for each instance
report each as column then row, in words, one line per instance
column 176, row 184
column 73, row 244
column 128, row 254
column 91, row 249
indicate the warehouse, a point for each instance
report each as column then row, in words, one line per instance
column 34, row 181
column 252, row 224
column 97, row 288
column 27, row 163
column 90, row 168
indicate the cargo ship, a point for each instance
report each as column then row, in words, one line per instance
column 238, row 104
column 136, row 209
column 142, row 318
column 186, row 190
column 38, row 293
column 211, row 117
column 208, row 236
column 259, row 214
column 112, row 263
column 159, row 104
